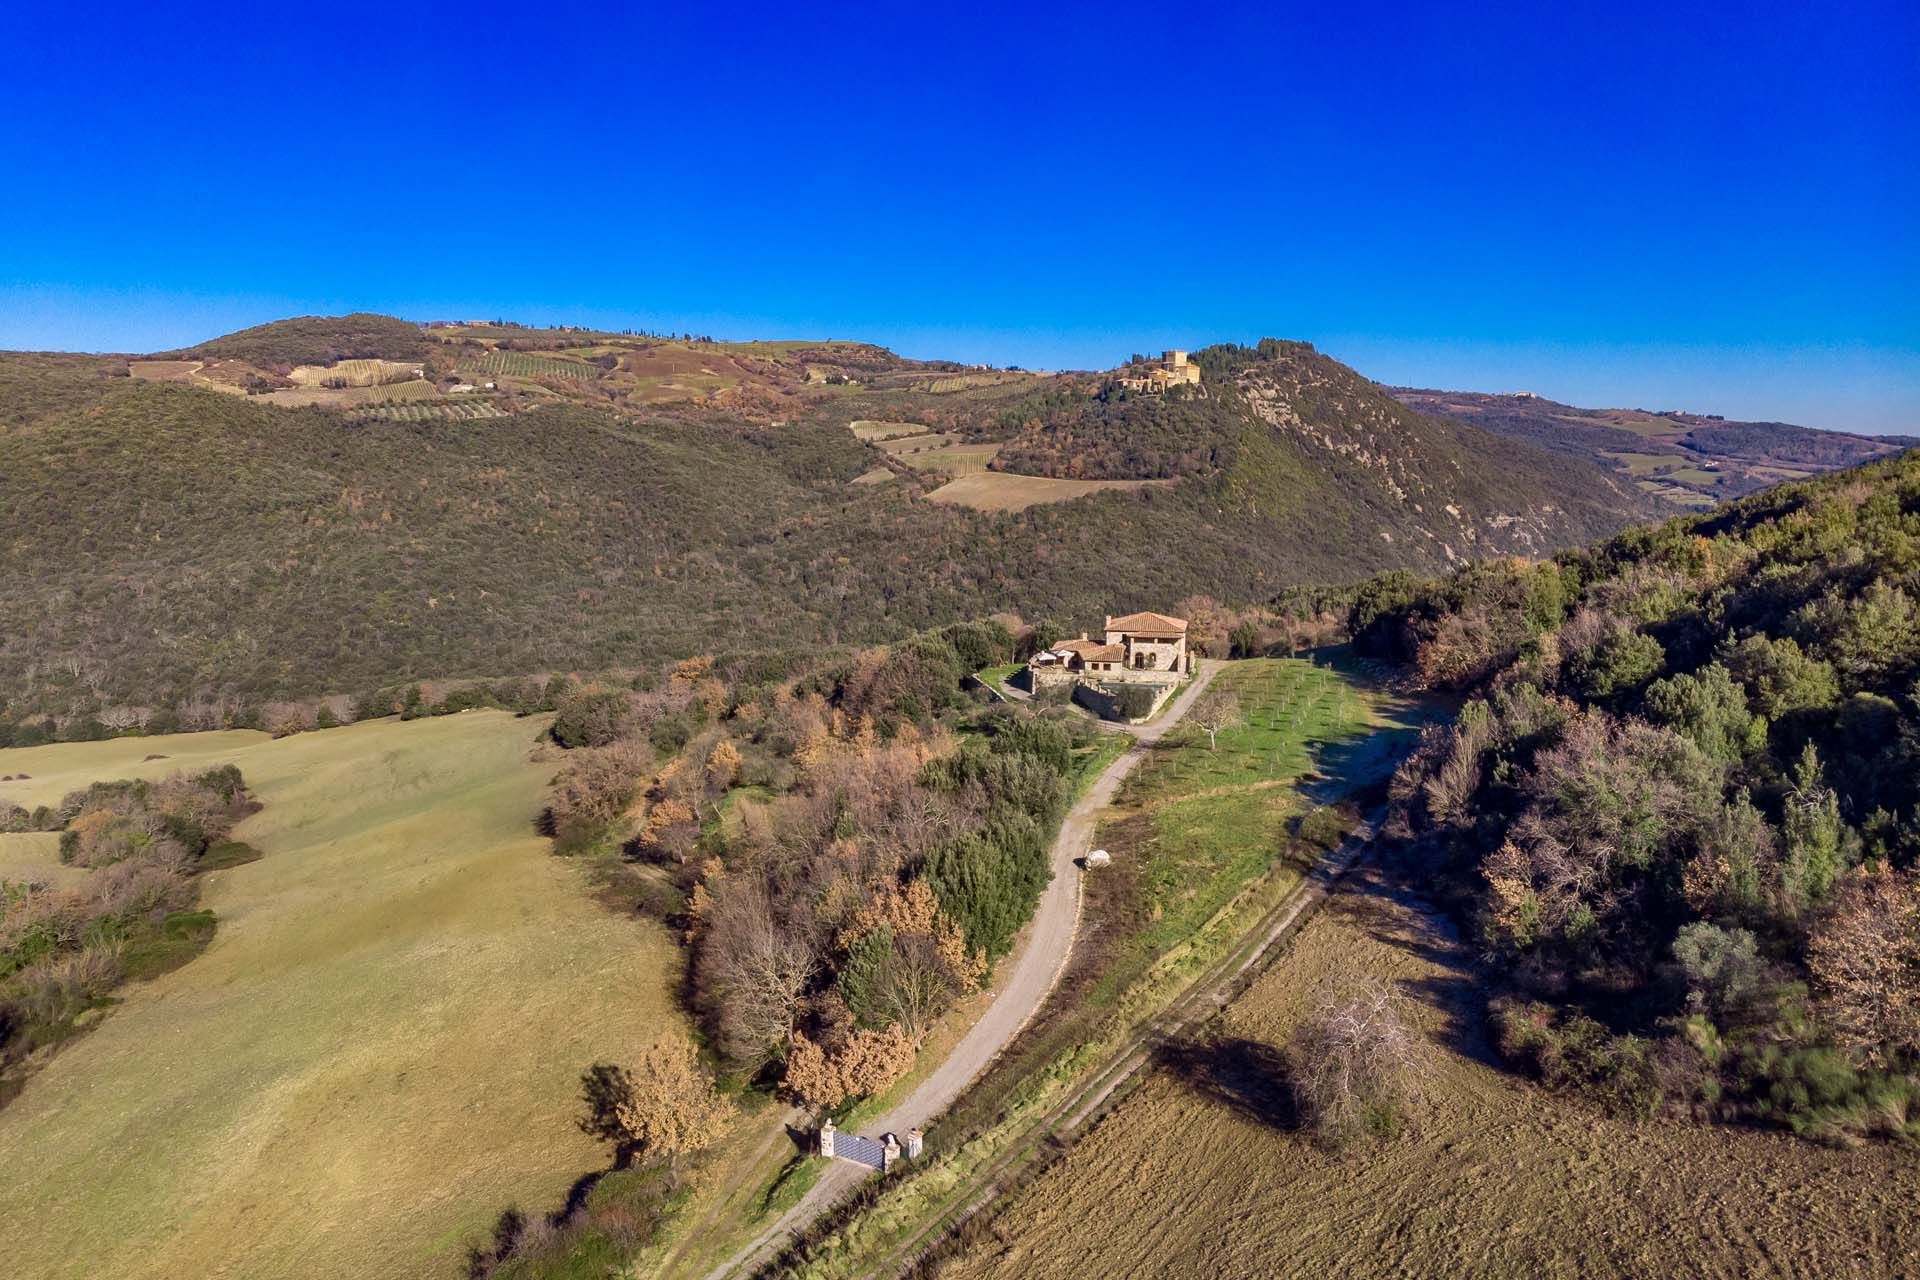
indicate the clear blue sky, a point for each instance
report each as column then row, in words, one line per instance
column 1711, row 207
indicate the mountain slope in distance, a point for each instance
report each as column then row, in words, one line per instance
column 1685, row 461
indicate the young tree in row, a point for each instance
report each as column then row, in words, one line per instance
column 1217, row 709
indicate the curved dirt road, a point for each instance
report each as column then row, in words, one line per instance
column 1033, row 968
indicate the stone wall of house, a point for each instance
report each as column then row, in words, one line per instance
column 1104, row 704
column 1161, row 655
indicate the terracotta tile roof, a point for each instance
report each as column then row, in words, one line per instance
column 1151, row 623
column 1092, row 650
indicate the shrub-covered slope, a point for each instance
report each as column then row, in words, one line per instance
column 1683, row 806
column 1684, row 458
column 316, row 340
column 1286, row 427
column 166, row 545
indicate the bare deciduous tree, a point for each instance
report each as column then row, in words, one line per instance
column 1216, row 710
column 1355, row 1061
column 1865, row 958
column 759, row 971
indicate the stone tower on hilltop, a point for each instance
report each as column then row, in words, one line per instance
column 1153, row 377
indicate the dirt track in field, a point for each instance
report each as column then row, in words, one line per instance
column 1202, row 1174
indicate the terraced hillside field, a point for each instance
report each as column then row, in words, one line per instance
column 352, row 397
column 522, row 364
column 469, row 409
column 379, row 1050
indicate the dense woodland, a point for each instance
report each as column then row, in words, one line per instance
column 847, row 846
column 1681, row 805
column 1094, row 430
column 316, row 340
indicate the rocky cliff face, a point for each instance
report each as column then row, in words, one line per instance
column 1446, row 491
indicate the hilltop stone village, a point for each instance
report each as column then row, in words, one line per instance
column 1153, row 377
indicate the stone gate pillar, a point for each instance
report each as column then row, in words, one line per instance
column 826, row 1137
column 889, row 1153
column 915, row 1139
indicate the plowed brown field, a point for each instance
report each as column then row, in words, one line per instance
column 1202, row 1174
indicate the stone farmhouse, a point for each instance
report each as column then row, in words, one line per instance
column 1139, row 649
column 1154, row 377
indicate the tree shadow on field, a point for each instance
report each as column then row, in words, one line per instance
column 1247, row 1075
column 577, row 1196
column 1379, row 902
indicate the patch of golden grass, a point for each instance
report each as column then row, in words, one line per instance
column 1000, row 491
column 379, row 1050
column 30, row 857
column 164, row 370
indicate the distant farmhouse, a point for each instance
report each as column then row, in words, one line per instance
column 1155, row 376
column 1146, row 650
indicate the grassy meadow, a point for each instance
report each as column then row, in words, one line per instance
column 378, row 1051
column 1202, row 820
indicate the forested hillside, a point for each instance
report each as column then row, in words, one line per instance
column 316, row 340
column 1682, row 805
column 189, row 553
column 1279, row 415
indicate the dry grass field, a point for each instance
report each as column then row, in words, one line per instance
column 378, row 1051
column 1001, row 491
column 1201, row 1172
column 35, row 856
column 164, row 370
